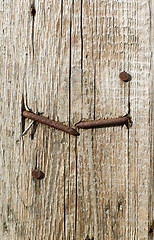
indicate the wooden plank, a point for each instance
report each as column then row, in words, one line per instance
column 51, row 47
column 68, row 61
column 86, row 189
column 70, row 162
column 35, row 209
column 112, row 144
column 99, row 155
column 140, row 145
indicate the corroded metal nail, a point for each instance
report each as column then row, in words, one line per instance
column 38, row 174
column 125, row 120
column 54, row 124
column 124, row 76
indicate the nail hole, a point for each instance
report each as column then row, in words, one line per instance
column 151, row 230
column 33, row 11
column 5, row 229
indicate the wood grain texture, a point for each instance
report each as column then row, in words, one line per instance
column 67, row 61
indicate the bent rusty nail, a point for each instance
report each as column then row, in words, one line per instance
column 125, row 120
column 52, row 123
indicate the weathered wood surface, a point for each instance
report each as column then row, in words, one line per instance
column 100, row 183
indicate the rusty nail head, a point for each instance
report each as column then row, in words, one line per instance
column 124, row 76
column 38, row 174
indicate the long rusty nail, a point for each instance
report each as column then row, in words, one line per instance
column 38, row 174
column 54, row 124
column 124, row 76
column 125, row 120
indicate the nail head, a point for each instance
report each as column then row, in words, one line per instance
column 124, row 76
column 38, row 174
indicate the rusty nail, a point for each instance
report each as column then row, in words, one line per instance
column 51, row 123
column 38, row 174
column 124, row 76
column 125, row 120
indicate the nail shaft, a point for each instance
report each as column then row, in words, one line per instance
column 54, row 124
column 105, row 123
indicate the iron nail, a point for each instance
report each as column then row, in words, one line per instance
column 38, row 174
column 124, row 76
column 125, row 120
column 52, row 123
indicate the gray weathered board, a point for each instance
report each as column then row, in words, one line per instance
column 98, row 185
